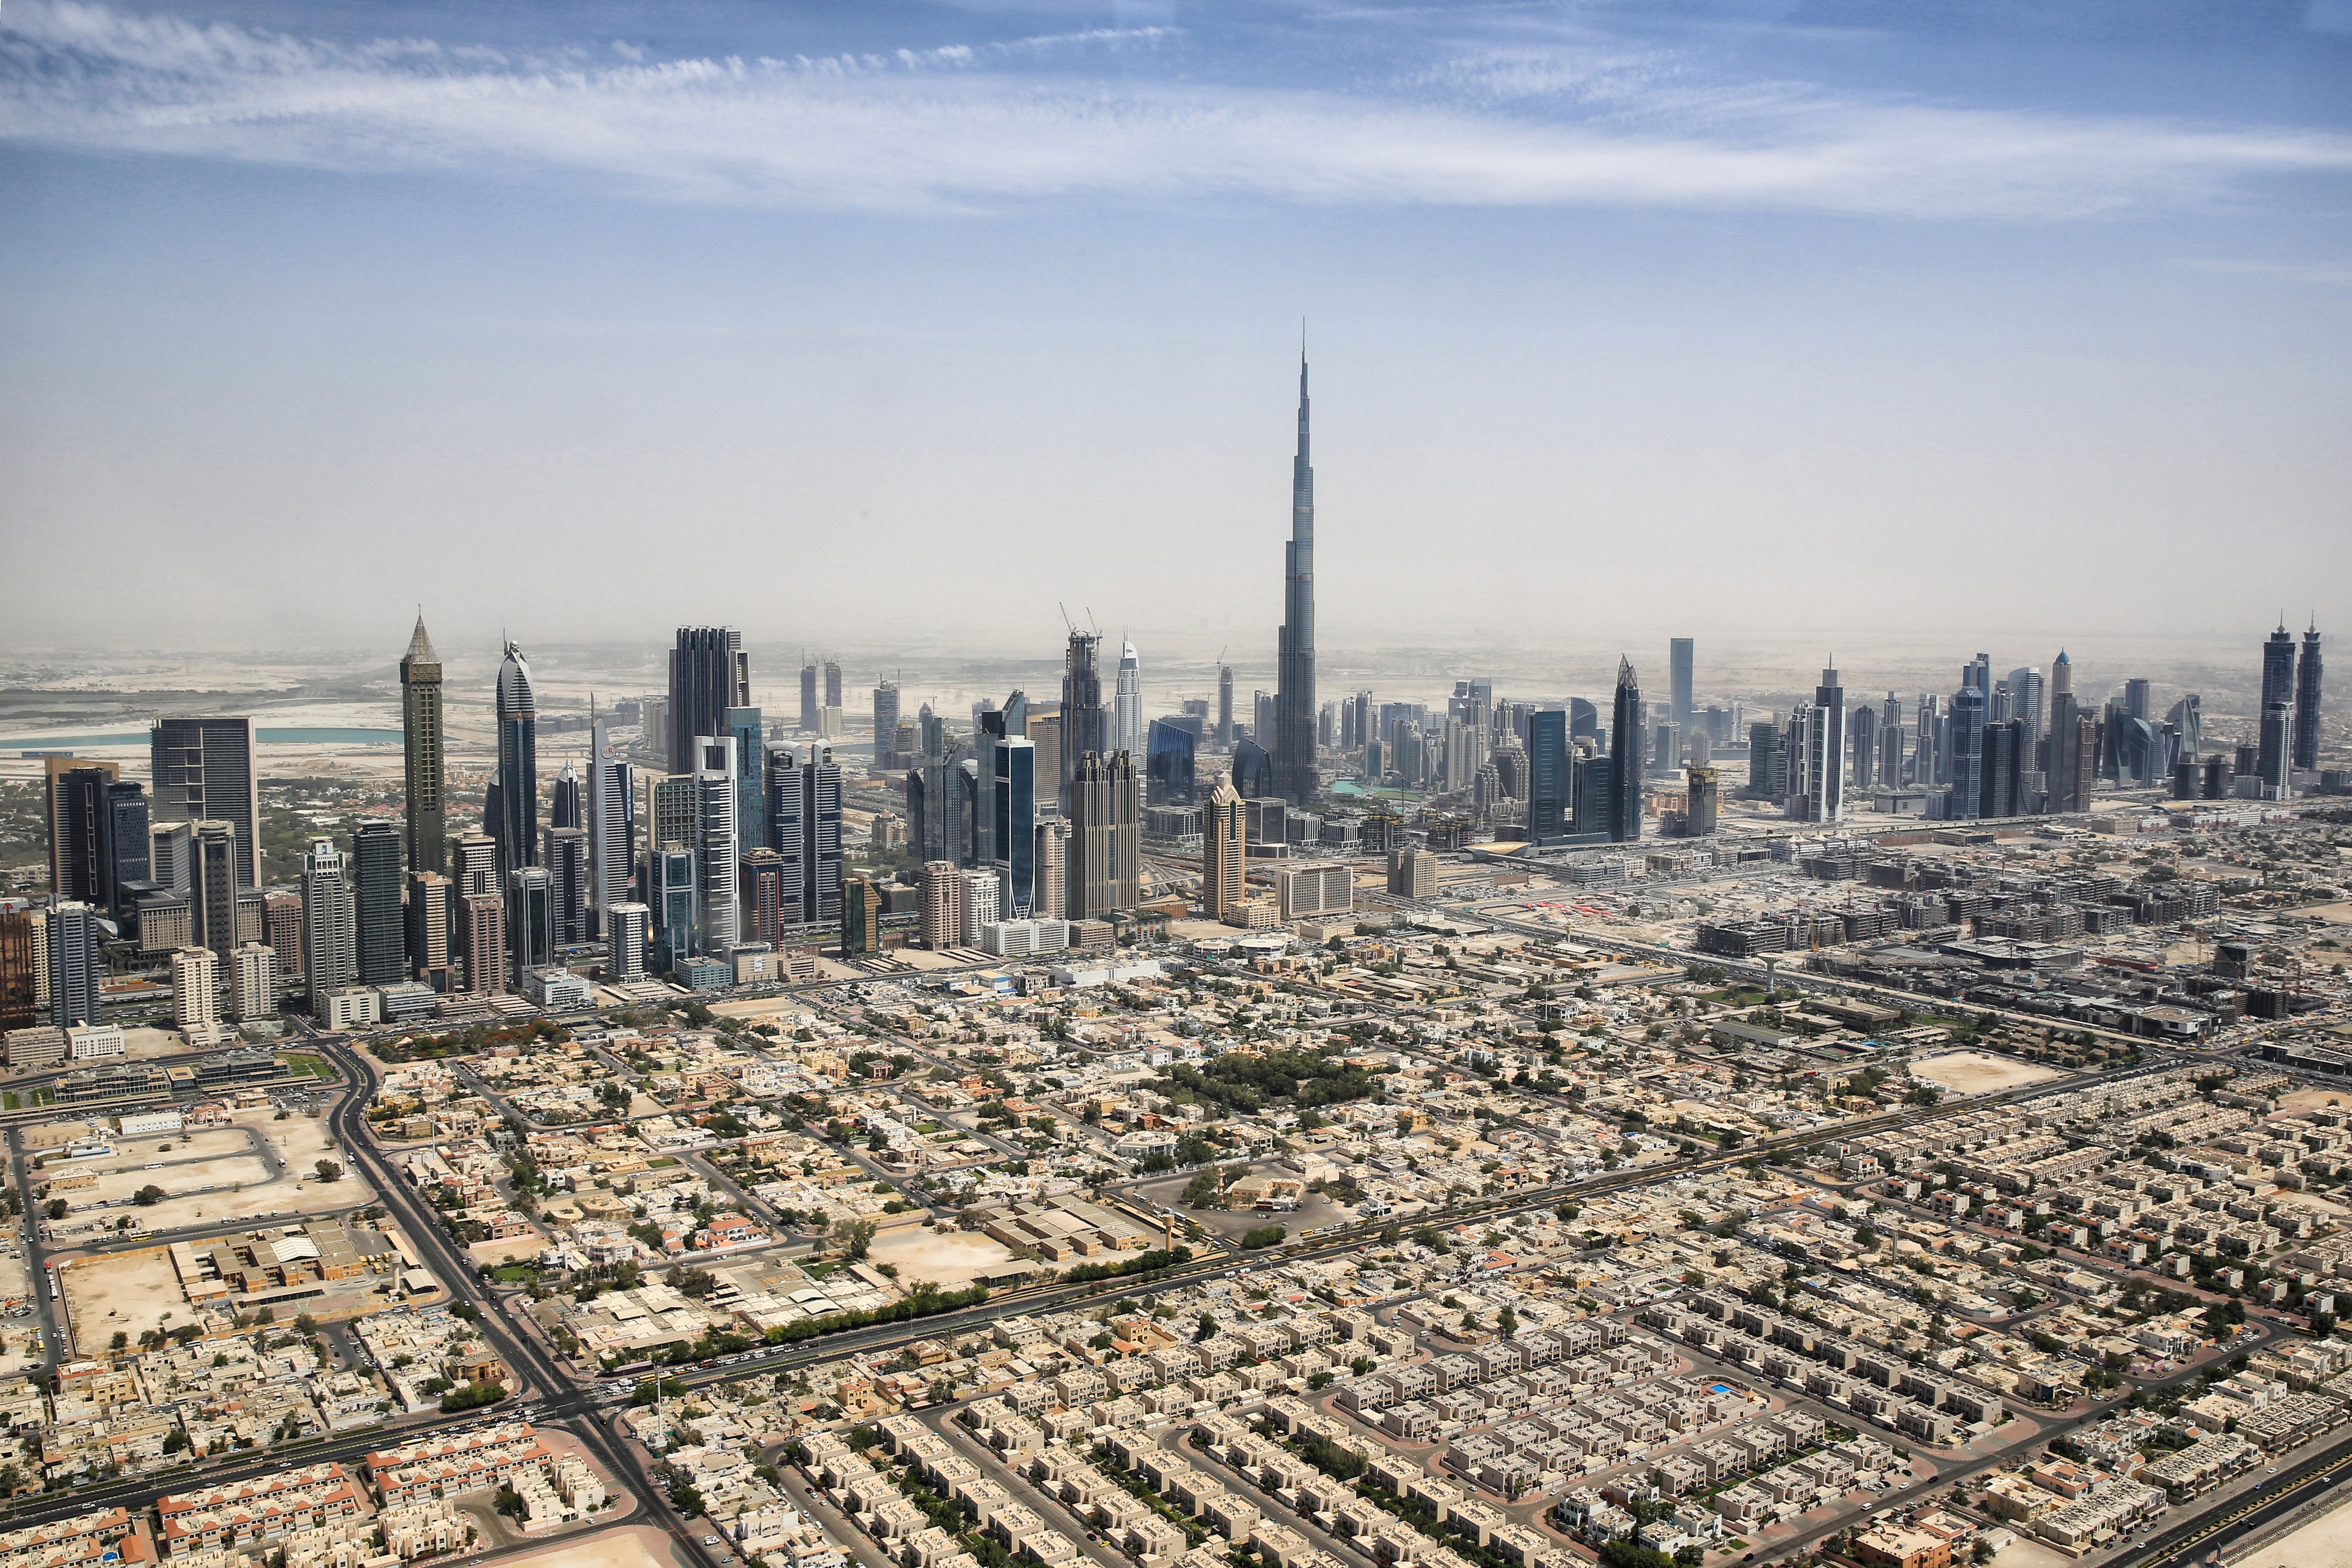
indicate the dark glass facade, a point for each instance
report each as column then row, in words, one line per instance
column 1169, row 765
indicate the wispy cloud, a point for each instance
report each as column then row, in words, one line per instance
column 2331, row 274
column 970, row 125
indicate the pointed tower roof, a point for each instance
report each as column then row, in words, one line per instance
column 1624, row 670
column 420, row 662
column 514, row 685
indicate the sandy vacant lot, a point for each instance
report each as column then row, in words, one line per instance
column 2316, row 1098
column 130, row 1153
column 627, row 1546
column 174, row 1176
column 955, row 1259
column 130, row 1291
column 2327, row 1539
column 302, row 1142
column 1978, row 1072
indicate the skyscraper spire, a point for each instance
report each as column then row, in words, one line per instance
column 1295, row 776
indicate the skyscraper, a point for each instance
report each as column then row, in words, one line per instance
column 1549, row 780
column 379, row 952
column 2005, row 748
column 253, row 982
column 330, row 928
column 627, row 934
column 1295, row 776
column 1006, row 822
column 564, row 852
column 531, row 921
column 1682, row 657
column 474, row 865
column 1824, row 758
column 1224, row 851
column 1169, row 765
column 861, row 917
column 2065, row 789
column 1126, row 706
column 1865, row 746
column 1083, row 726
column 22, row 964
column 716, row 848
column 804, row 830
column 430, row 910
column 1625, row 757
column 2278, row 666
column 1045, row 734
column 482, row 929
column 1253, row 772
column 1053, row 875
column 77, row 964
column 2028, row 698
column 670, row 872
column 886, row 727
column 612, row 825
column 1105, row 811
column 709, row 673
column 196, row 989
column 763, row 899
column 1706, row 797
column 750, row 733
column 1224, row 705
column 809, row 703
column 514, row 826
column 2186, row 718
column 563, row 808
column 2306, row 701
column 481, row 919
column 422, row 747
column 213, row 887
column 76, row 812
column 203, row 770
column 1967, row 769
column 941, row 886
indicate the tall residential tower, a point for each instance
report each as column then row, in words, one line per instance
column 709, row 673
column 515, row 822
column 422, row 741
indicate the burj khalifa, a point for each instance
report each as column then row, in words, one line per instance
column 1294, row 776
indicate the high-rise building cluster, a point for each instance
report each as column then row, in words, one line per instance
column 715, row 840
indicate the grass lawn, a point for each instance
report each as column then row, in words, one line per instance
column 302, row 1064
column 512, row 1274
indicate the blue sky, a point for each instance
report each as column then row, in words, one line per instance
column 887, row 321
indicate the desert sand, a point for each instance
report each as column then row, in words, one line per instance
column 128, row 1293
column 1978, row 1072
column 957, row 1258
column 2327, row 1539
column 625, row 1546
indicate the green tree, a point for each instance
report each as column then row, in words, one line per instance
column 329, row 1171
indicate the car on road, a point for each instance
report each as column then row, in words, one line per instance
column 710, row 1541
